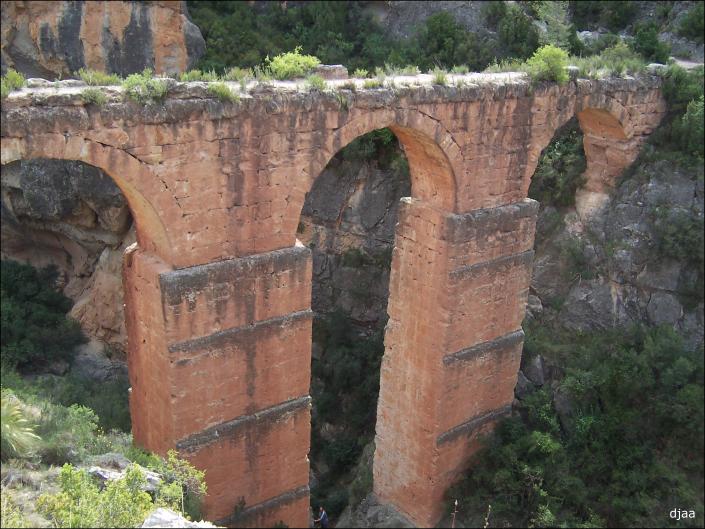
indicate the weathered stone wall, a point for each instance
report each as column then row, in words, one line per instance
column 218, row 293
column 55, row 39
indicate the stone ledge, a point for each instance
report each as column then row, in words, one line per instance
column 278, row 501
column 472, row 425
column 232, row 428
column 228, row 336
column 509, row 261
column 181, row 283
column 466, row 226
column 496, row 346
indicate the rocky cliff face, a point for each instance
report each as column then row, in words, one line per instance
column 54, row 39
column 73, row 216
column 348, row 221
column 618, row 269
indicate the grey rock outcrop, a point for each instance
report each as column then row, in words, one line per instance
column 73, row 216
column 55, row 39
column 167, row 518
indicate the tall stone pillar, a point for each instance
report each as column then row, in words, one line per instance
column 219, row 362
column 458, row 291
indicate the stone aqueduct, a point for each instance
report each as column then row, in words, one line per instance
column 218, row 290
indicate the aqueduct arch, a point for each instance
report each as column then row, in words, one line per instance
column 218, row 294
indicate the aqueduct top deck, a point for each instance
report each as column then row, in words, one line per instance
column 253, row 161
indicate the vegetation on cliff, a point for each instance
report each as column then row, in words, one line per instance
column 49, row 421
column 617, row 442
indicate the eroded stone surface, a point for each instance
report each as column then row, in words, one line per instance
column 56, row 39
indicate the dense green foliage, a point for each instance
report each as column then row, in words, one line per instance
column 343, row 33
column 626, row 447
column 559, row 172
column 548, row 63
column 123, row 502
column 614, row 15
column 692, row 24
column 35, row 329
column 12, row 80
column 647, row 44
column 80, row 503
column 347, row 398
column 679, row 138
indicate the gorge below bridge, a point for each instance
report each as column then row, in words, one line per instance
column 218, row 289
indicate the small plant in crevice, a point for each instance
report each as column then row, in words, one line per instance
column 96, row 78
column 143, row 88
column 94, row 96
column 223, row 93
column 440, row 77
column 315, row 83
column 198, row 75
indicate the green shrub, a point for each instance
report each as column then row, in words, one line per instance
column 184, row 487
column 687, row 129
column 681, row 86
column 223, row 92
column 70, row 434
column 679, row 235
column 549, row 63
column 143, row 88
column 647, row 44
column 35, row 329
column 462, row 69
column 630, row 438
column 555, row 17
column 96, row 78
column 80, row 503
column 18, row 439
column 440, row 77
column 494, row 11
column 198, row 75
column 577, row 265
column 372, row 83
column 361, row 73
column 12, row 515
column 291, row 64
column 560, row 169
column 691, row 27
column 11, row 81
column 241, row 75
column 94, row 96
column 517, row 33
column 615, row 15
column 316, row 82
column 617, row 60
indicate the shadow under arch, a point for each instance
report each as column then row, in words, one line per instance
column 122, row 168
column 432, row 153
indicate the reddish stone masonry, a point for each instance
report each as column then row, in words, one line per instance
column 218, row 292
